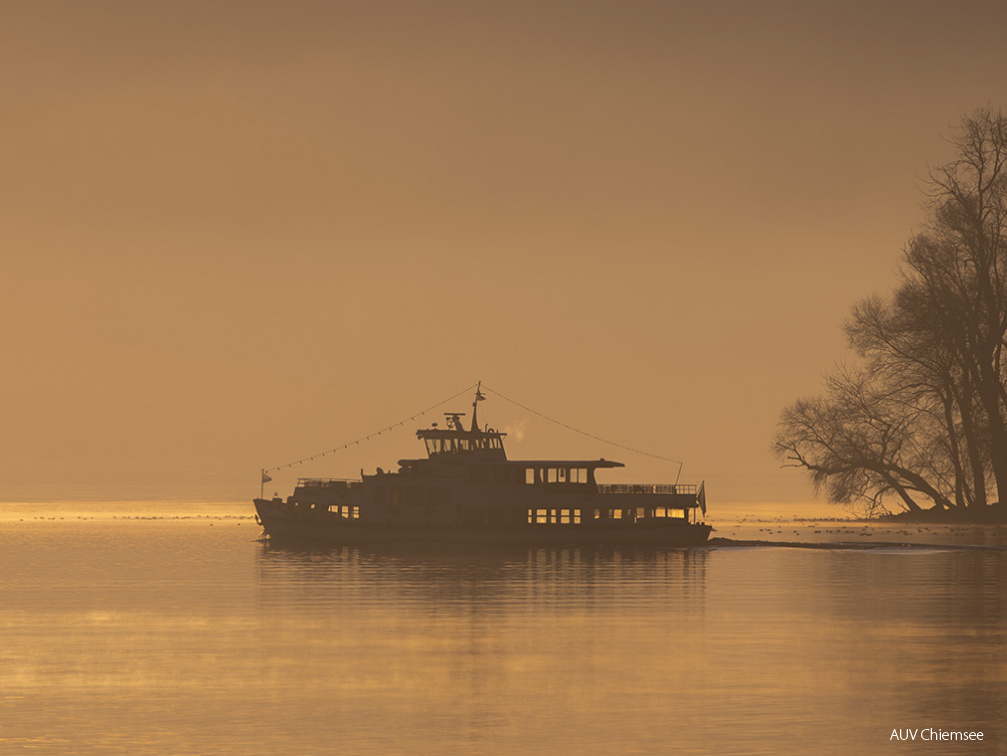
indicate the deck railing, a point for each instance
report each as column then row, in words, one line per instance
column 648, row 488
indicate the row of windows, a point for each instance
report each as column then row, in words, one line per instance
column 554, row 516
column 350, row 513
column 505, row 475
column 454, row 445
column 555, row 475
column 573, row 516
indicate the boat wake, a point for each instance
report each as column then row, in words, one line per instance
column 874, row 547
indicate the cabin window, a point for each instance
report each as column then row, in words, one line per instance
column 551, row 475
column 352, row 513
column 668, row 512
column 554, row 516
column 569, row 516
column 529, row 475
column 615, row 514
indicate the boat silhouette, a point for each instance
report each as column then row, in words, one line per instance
column 467, row 491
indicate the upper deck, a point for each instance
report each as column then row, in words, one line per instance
column 482, row 444
column 482, row 450
column 477, row 443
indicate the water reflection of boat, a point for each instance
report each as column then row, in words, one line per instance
column 467, row 491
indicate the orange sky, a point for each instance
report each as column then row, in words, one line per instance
column 233, row 234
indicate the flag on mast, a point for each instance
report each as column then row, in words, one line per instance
column 265, row 478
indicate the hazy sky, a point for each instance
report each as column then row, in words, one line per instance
column 233, row 234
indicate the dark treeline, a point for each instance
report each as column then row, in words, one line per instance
column 919, row 419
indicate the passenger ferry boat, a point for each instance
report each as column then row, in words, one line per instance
column 466, row 491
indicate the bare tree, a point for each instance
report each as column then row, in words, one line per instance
column 862, row 444
column 960, row 267
column 924, row 415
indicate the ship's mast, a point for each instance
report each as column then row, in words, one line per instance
column 475, row 405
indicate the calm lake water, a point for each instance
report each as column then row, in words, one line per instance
column 189, row 635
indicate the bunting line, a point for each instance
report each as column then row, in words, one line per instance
column 371, row 435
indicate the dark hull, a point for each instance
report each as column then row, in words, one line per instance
column 327, row 529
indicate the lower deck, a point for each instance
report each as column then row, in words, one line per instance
column 552, row 527
column 602, row 518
